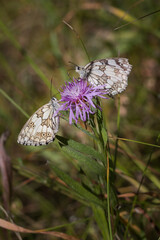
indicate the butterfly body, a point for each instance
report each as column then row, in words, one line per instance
column 41, row 127
column 110, row 74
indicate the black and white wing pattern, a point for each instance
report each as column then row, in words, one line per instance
column 111, row 73
column 41, row 127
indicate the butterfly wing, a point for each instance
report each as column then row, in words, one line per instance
column 41, row 127
column 111, row 73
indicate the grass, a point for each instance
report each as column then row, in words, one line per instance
column 36, row 46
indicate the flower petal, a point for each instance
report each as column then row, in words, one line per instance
column 77, row 97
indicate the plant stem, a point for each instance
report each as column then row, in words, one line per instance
column 105, row 151
column 13, row 102
column 118, row 128
column 108, row 201
column 136, row 196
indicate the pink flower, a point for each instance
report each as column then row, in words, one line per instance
column 77, row 97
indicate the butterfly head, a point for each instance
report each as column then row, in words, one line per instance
column 55, row 103
column 81, row 71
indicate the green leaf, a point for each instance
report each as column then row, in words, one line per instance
column 77, row 187
column 86, row 150
column 100, row 218
column 65, row 117
column 85, row 131
column 104, row 135
column 148, row 173
column 87, row 162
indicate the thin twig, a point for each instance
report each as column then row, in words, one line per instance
column 78, row 36
column 139, row 18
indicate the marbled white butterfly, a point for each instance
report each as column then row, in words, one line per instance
column 41, row 127
column 111, row 73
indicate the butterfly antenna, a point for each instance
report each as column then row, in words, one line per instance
column 51, row 93
column 69, row 76
column 73, row 64
column 51, row 88
column 56, row 94
column 118, row 53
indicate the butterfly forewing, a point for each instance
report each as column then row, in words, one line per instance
column 110, row 74
column 41, row 127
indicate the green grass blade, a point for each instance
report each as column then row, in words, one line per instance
column 77, row 187
column 139, row 142
column 81, row 41
column 100, row 218
column 14, row 103
column 16, row 44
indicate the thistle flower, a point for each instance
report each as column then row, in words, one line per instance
column 77, row 97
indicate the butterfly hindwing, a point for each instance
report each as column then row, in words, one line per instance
column 111, row 74
column 41, row 127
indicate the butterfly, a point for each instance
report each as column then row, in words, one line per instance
column 42, row 126
column 110, row 74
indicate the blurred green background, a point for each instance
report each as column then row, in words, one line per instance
column 35, row 48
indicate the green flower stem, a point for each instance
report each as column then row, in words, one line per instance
column 104, row 149
column 118, row 128
column 108, row 201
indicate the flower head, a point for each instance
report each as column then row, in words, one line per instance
column 77, row 97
